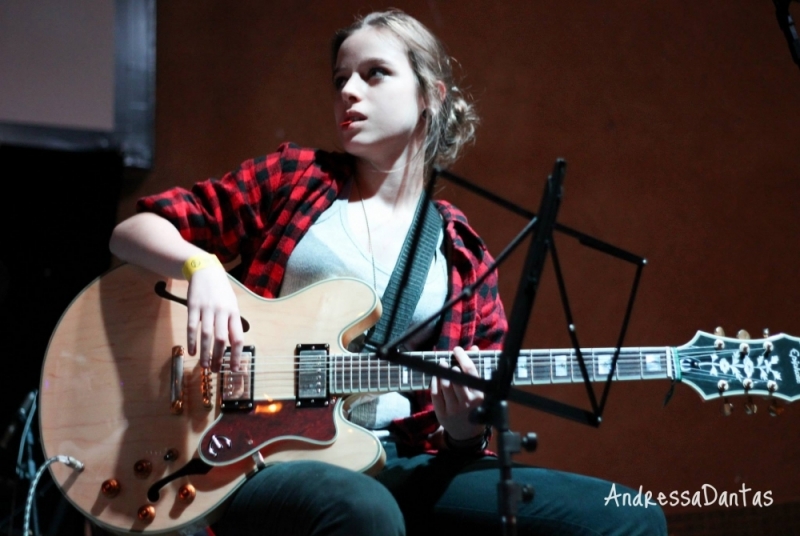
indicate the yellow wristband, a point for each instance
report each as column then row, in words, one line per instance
column 198, row 262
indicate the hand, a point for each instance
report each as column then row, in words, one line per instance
column 453, row 402
column 214, row 313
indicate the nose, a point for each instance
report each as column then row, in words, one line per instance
column 351, row 90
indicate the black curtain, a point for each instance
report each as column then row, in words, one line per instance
column 58, row 210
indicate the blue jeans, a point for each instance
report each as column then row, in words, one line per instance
column 427, row 494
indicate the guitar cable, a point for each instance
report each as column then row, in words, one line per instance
column 67, row 460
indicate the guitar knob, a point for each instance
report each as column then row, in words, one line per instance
column 765, row 333
column 719, row 332
column 187, row 493
column 142, row 468
column 146, row 513
column 110, row 488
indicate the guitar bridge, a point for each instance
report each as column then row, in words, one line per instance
column 312, row 378
column 237, row 386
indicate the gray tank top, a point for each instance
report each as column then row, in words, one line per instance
column 329, row 250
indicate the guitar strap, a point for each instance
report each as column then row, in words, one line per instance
column 400, row 300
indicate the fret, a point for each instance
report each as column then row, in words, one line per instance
column 560, row 368
column 654, row 363
column 360, row 373
column 345, row 376
column 333, row 377
column 340, row 371
column 629, row 365
column 486, row 368
column 602, row 365
column 521, row 373
column 540, row 367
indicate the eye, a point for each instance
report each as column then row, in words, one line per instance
column 339, row 82
column 377, row 73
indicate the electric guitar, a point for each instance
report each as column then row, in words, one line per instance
column 165, row 442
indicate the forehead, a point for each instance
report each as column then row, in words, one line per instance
column 371, row 43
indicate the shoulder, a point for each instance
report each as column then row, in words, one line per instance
column 293, row 162
column 464, row 237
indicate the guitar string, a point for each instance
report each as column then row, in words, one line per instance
column 389, row 369
column 628, row 357
column 271, row 363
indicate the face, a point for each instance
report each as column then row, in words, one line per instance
column 378, row 107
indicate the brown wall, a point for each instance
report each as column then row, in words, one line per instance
column 679, row 122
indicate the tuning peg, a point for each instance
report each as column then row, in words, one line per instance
column 719, row 332
column 727, row 407
column 775, row 407
column 765, row 332
column 744, row 348
column 750, row 407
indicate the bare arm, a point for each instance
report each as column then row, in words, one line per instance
column 152, row 242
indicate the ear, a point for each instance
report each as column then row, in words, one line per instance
column 442, row 89
column 441, row 92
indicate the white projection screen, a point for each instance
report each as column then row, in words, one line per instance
column 78, row 75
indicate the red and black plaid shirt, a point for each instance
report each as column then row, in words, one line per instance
column 260, row 211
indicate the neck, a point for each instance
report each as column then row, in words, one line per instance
column 396, row 182
column 364, row 373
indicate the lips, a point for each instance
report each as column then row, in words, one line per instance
column 350, row 118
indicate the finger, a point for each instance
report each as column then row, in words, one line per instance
column 218, row 353
column 463, row 394
column 451, row 403
column 220, row 340
column 206, row 337
column 236, row 336
column 437, row 398
column 191, row 329
column 444, row 383
column 464, row 362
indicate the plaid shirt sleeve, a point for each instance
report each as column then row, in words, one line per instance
column 477, row 320
column 258, row 211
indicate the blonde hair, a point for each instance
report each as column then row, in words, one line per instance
column 453, row 124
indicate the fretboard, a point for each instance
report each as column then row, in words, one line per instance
column 365, row 373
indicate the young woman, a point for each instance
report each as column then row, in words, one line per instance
column 298, row 216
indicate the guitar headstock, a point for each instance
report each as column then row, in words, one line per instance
column 717, row 366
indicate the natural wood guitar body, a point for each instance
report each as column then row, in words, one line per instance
column 105, row 397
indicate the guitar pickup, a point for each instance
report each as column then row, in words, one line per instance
column 312, row 377
column 237, row 386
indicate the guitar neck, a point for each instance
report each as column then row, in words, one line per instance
column 365, row 373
